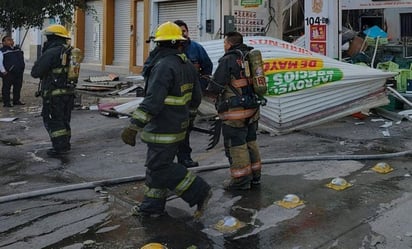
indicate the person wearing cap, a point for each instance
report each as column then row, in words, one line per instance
column 200, row 59
column 54, row 88
column 11, row 70
column 171, row 88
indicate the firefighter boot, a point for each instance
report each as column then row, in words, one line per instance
column 255, row 180
column 241, row 183
column 201, row 205
column 55, row 153
column 150, row 207
column 198, row 193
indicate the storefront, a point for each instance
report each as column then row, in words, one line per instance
column 112, row 36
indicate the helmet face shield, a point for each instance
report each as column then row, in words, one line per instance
column 57, row 30
column 169, row 31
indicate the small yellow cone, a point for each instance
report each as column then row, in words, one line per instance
column 382, row 168
column 338, row 183
column 290, row 201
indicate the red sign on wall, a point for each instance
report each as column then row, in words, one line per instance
column 317, row 32
column 318, row 47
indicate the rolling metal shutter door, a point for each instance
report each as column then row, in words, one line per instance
column 183, row 10
column 140, row 33
column 93, row 33
column 122, row 32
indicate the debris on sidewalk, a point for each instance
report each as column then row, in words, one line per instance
column 110, row 83
column 109, row 77
column 13, row 141
column 406, row 113
column 387, row 124
column 8, row 119
column 386, row 133
column 96, row 90
column 100, row 86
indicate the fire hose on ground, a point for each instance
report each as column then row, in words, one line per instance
column 115, row 181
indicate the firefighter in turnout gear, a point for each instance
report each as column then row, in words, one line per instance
column 55, row 88
column 237, row 105
column 172, row 88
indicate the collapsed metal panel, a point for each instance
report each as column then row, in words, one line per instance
column 360, row 88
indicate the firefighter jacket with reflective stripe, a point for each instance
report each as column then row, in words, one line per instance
column 172, row 89
column 49, row 66
column 234, row 108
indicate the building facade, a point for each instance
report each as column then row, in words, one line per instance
column 114, row 35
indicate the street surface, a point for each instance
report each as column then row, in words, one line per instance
column 375, row 212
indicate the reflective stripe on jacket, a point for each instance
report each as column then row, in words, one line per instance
column 158, row 138
column 237, row 114
column 172, row 89
column 57, row 92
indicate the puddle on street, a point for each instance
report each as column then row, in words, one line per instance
column 326, row 215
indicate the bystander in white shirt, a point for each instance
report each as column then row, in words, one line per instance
column 2, row 69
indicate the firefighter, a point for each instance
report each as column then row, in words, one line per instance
column 56, row 91
column 172, row 88
column 238, row 106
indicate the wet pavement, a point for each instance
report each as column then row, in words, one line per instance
column 373, row 213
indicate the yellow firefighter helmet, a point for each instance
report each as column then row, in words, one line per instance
column 169, row 31
column 58, row 30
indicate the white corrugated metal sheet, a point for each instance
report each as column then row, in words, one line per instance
column 358, row 87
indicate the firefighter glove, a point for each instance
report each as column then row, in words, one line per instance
column 129, row 135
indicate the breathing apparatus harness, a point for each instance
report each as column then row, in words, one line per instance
column 65, row 77
column 252, row 84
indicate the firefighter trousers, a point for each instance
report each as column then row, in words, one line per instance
column 56, row 113
column 242, row 151
column 162, row 174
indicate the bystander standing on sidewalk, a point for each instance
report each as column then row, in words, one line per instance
column 12, row 69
